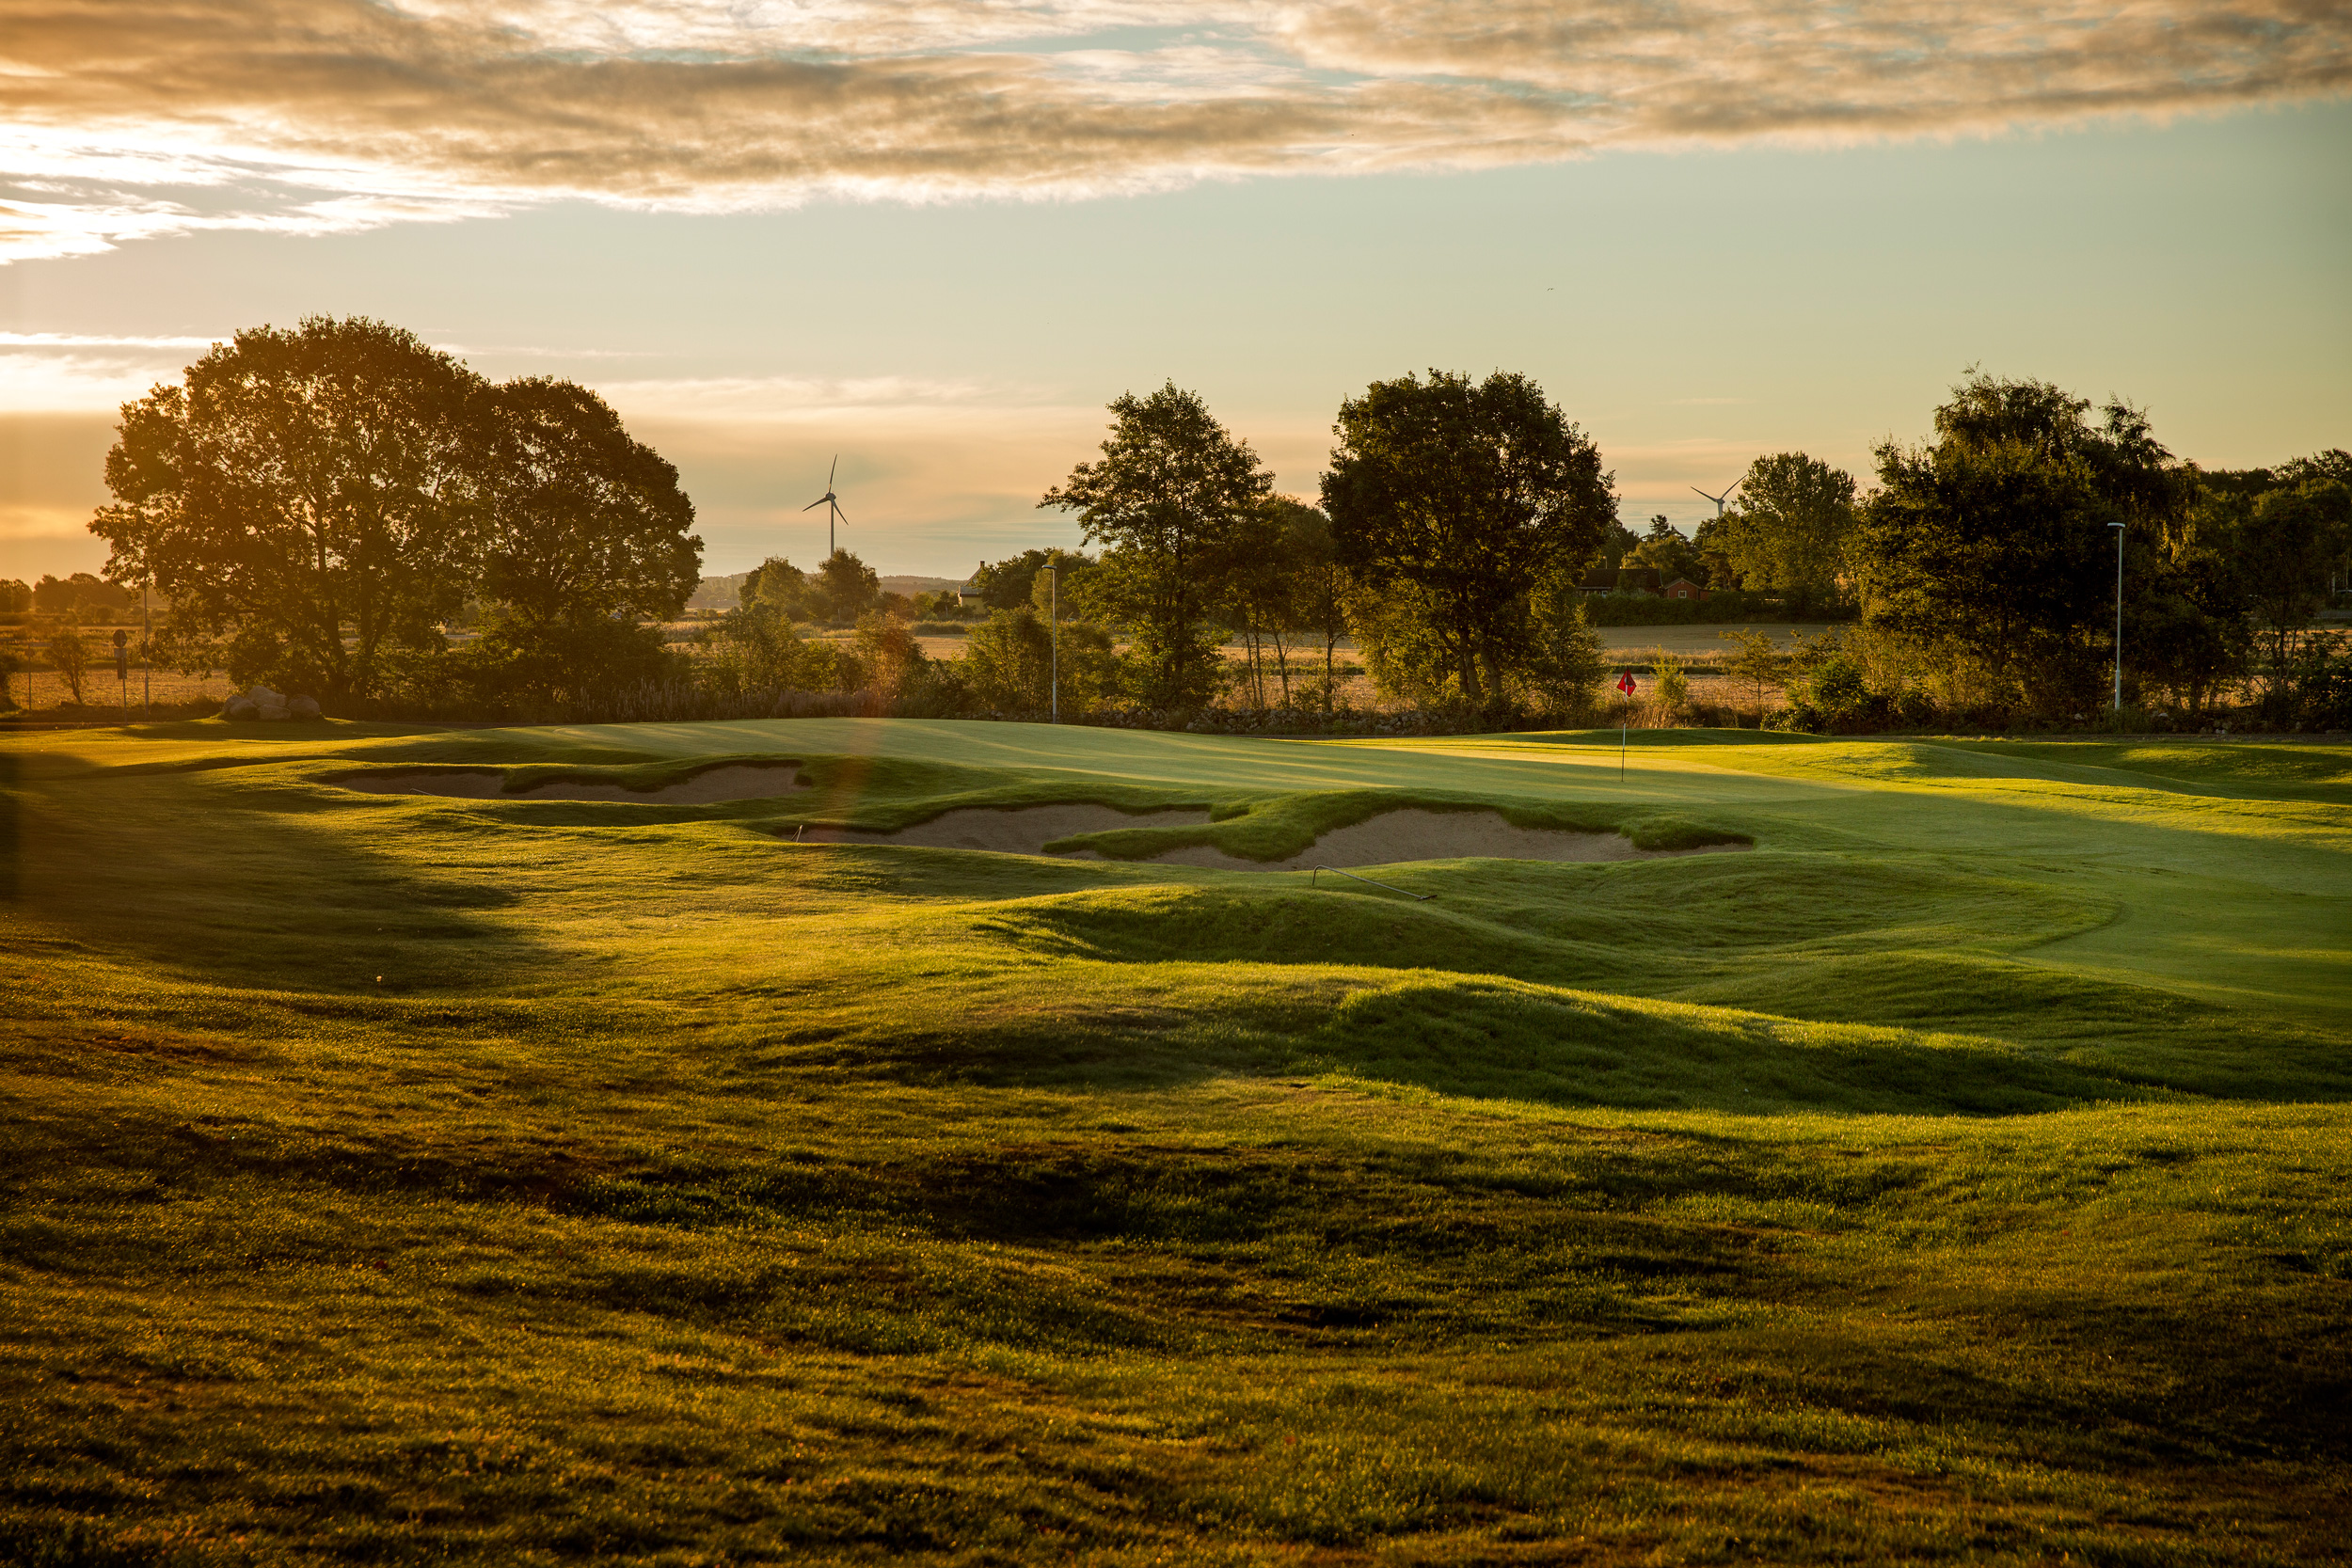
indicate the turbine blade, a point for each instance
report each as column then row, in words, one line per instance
column 835, row 470
column 838, row 513
column 815, row 504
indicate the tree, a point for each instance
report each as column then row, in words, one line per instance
column 1009, row 660
column 2288, row 541
column 1789, row 528
column 69, row 655
column 1318, row 586
column 1009, row 583
column 887, row 649
column 585, row 533
column 1664, row 550
column 1617, row 542
column 1565, row 664
column 1262, row 588
column 1453, row 500
column 1991, row 545
column 1172, row 491
column 1756, row 663
column 310, row 494
column 776, row 587
column 16, row 596
column 846, row 587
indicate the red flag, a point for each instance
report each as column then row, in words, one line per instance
column 1625, row 683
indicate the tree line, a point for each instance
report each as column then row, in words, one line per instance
column 321, row 507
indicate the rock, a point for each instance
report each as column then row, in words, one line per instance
column 302, row 707
column 240, row 706
column 271, row 703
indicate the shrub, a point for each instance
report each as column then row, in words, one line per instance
column 2323, row 690
column 69, row 655
column 1673, row 691
column 1835, row 688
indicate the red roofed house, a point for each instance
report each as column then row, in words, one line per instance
column 1683, row 588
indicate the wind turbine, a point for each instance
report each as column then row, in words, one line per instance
column 1725, row 496
column 832, row 502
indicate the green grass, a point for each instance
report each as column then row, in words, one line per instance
column 1958, row 1175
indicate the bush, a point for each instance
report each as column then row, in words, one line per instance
column 69, row 655
column 1795, row 719
column 1673, row 683
column 2323, row 691
column 535, row 665
column 1835, row 688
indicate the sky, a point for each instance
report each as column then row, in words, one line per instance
column 934, row 237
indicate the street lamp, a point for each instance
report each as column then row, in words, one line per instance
column 2119, row 616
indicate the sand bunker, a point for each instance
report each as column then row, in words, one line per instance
column 756, row 780
column 1014, row 830
column 1410, row 833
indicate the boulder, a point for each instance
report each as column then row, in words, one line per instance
column 272, row 703
column 302, row 707
column 240, row 706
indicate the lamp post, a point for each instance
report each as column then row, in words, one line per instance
column 2119, row 616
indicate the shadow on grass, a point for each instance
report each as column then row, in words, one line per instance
column 242, row 886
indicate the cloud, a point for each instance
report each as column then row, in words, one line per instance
column 134, row 118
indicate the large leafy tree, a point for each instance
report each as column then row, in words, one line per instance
column 1453, row 498
column 309, row 496
column 1791, row 526
column 1170, row 499
column 582, row 521
column 1993, row 544
column 583, row 532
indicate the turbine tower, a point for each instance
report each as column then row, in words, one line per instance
column 833, row 503
column 1720, row 500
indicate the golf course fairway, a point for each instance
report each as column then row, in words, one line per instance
column 1906, row 1150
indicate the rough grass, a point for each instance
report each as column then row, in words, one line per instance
column 1961, row 1176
